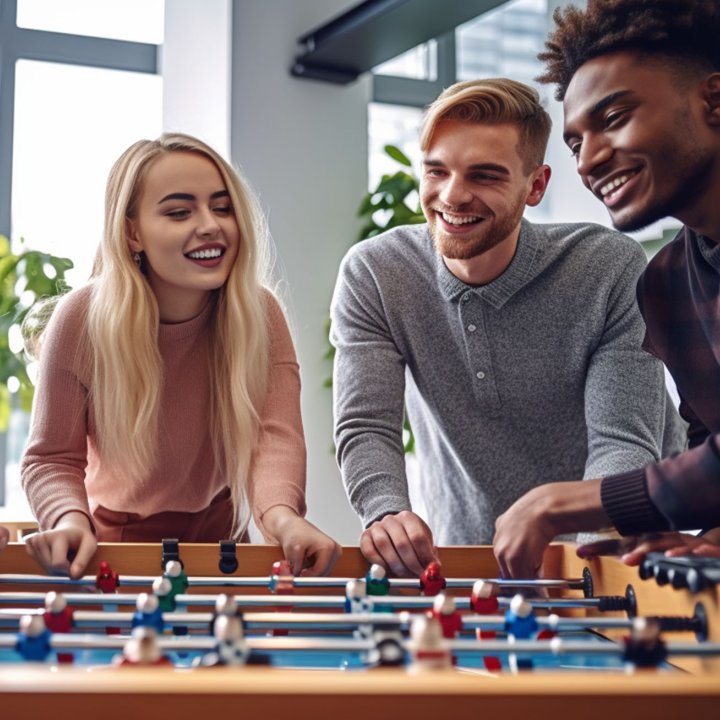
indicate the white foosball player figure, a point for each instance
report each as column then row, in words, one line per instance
column 429, row 650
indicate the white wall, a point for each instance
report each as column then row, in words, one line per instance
column 303, row 146
column 195, row 64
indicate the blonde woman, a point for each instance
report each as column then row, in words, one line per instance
column 168, row 398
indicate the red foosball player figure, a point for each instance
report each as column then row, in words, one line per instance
column 106, row 580
column 483, row 601
column 429, row 650
column 282, row 580
column 431, row 580
column 142, row 649
column 58, row 619
column 445, row 612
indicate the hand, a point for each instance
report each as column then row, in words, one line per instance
column 401, row 543
column 67, row 548
column 4, row 537
column 633, row 549
column 309, row 551
column 523, row 532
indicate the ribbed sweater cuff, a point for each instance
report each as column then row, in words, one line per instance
column 626, row 500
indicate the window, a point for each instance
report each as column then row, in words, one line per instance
column 79, row 84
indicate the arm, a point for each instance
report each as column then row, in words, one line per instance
column 277, row 485
column 53, row 466
column 624, row 413
column 369, row 390
column 625, row 386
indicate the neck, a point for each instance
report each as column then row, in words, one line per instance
column 484, row 268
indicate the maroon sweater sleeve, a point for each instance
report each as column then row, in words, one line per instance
column 680, row 493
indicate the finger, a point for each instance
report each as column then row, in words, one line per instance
column 707, row 550
column 88, row 545
column 295, row 554
column 320, row 561
column 369, row 551
column 385, row 549
column 39, row 548
column 603, row 547
column 59, row 548
column 405, row 547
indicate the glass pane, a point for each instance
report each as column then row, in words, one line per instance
column 504, row 42
column 71, row 123
column 419, row 63
column 391, row 125
column 135, row 20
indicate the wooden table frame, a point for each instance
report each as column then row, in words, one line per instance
column 28, row 691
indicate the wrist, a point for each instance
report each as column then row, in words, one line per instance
column 277, row 518
column 76, row 519
column 571, row 507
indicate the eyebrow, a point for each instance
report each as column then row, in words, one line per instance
column 600, row 105
column 190, row 198
column 492, row 167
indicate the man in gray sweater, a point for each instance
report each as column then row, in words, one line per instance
column 515, row 348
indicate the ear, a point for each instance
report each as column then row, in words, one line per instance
column 539, row 182
column 711, row 98
column 132, row 236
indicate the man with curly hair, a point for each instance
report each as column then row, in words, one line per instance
column 640, row 85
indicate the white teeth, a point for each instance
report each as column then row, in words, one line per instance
column 205, row 254
column 457, row 220
column 614, row 184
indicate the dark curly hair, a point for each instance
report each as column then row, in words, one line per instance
column 686, row 30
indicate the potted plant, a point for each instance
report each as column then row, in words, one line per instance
column 25, row 278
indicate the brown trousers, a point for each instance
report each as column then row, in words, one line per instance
column 212, row 524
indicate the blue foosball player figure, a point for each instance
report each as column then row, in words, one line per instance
column 148, row 613
column 356, row 596
column 521, row 624
column 33, row 639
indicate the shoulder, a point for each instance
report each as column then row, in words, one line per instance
column 391, row 245
column 71, row 310
column 397, row 252
column 591, row 246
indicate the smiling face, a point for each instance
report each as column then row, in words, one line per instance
column 473, row 192
column 639, row 133
column 186, row 228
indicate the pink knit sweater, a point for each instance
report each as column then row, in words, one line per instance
column 62, row 471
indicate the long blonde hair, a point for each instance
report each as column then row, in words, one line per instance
column 123, row 322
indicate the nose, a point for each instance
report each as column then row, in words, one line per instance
column 207, row 222
column 594, row 152
column 455, row 191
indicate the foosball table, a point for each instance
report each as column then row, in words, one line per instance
column 604, row 642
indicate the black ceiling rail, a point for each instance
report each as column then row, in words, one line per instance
column 374, row 31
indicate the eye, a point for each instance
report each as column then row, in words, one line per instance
column 574, row 149
column 612, row 118
column 223, row 209
column 179, row 214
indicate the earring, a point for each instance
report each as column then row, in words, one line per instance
column 137, row 259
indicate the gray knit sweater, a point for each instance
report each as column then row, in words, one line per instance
column 537, row 376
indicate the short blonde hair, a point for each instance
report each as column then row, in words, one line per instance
column 494, row 101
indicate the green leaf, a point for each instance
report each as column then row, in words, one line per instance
column 398, row 155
